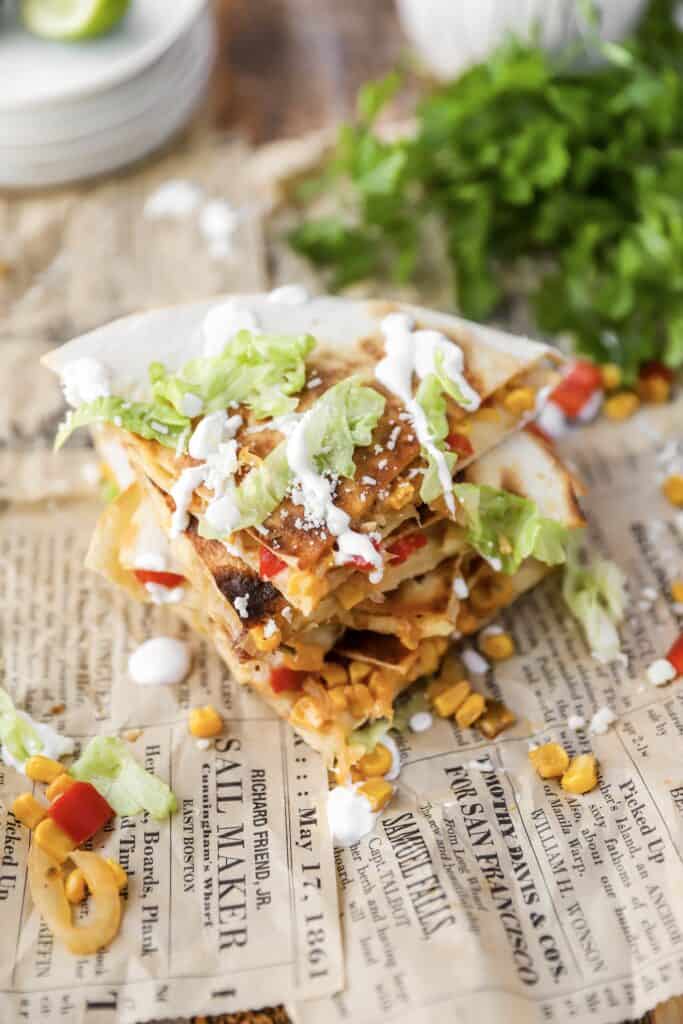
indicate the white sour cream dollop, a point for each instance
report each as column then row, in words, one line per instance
column 161, row 661
column 349, row 815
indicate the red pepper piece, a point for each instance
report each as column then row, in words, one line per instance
column 163, row 579
column 655, row 369
column 460, row 444
column 80, row 811
column 269, row 565
column 283, row 678
column 675, row 655
column 574, row 390
column 362, row 564
column 534, row 428
column 405, row 546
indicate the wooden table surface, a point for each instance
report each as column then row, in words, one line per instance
column 285, row 67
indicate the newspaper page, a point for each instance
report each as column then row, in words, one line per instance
column 487, row 893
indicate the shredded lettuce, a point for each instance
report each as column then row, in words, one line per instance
column 16, row 732
column 370, row 735
column 339, row 422
column 261, row 371
column 156, row 421
column 596, row 596
column 108, row 764
column 504, row 526
column 430, row 395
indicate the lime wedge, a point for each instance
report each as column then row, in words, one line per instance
column 72, row 19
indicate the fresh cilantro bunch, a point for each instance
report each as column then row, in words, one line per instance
column 576, row 168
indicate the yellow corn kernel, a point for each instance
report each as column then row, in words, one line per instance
column 497, row 646
column 59, row 786
column 43, row 769
column 338, row 698
column 360, row 701
column 672, row 489
column 378, row 791
column 520, row 400
column 335, row 674
column 120, row 876
column 352, row 593
column 358, row 671
column 53, row 840
column 75, row 887
column 495, row 719
column 205, row 723
column 306, row 658
column 550, row 760
column 582, row 774
column 29, row 811
column 307, row 713
column 377, row 762
column 448, row 702
column 486, row 414
column 622, row 405
column 306, row 586
column 654, row 389
column 677, row 591
column 265, row 643
column 402, row 494
column 611, row 376
column 472, row 709
column 467, row 622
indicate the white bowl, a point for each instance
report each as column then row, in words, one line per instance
column 451, row 35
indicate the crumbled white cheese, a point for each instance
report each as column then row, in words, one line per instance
column 84, row 380
column 287, row 613
column 601, row 721
column 460, row 588
column 421, row 721
column 369, row 481
column 575, row 722
column 660, row 672
column 270, row 628
column 241, row 605
column 173, row 199
column 203, row 743
column 474, row 662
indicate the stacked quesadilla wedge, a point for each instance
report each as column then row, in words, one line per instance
column 330, row 491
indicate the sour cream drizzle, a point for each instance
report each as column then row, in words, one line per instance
column 314, row 492
column 411, row 352
column 161, row 661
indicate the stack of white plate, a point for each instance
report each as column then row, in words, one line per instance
column 70, row 111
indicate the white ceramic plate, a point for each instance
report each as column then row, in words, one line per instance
column 78, row 124
column 37, row 72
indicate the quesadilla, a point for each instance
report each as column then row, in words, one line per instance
column 330, row 491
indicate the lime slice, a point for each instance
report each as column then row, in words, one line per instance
column 72, row 19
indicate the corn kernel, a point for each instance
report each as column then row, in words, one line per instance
column 672, row 488
column 120, row 876
column 59, row 786
column 205, row 722
column 338, row 699
column 467, row 622
column 520, row 400
column 378, row 791
column 377, row 762
column 43, row 769
column 306, row 658
column 472, row 709
column 654, row 389
column 611, row 376
column 495, row 719
column 582, row 774
column 53, row 840
column 264, row 643
column 29, row 811
column 448, row 702
column 358, row 671
column 75, row 887
column 486, row 414
column 677, row 591
column 622, row 405
column 307, row 713
column 360, row 701
column 497, row 646
column 550, row 760
column 401, row 495
column 335, row 674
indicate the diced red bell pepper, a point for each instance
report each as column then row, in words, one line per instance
column 269, row 565
column 675, row 655
column 284, row 678
column 534, row 428
column 362, row 564
column 405, row 546
column 80, row 811
column 163, row 579
column 655, row 369
column 460, row 444
column 579, row 384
